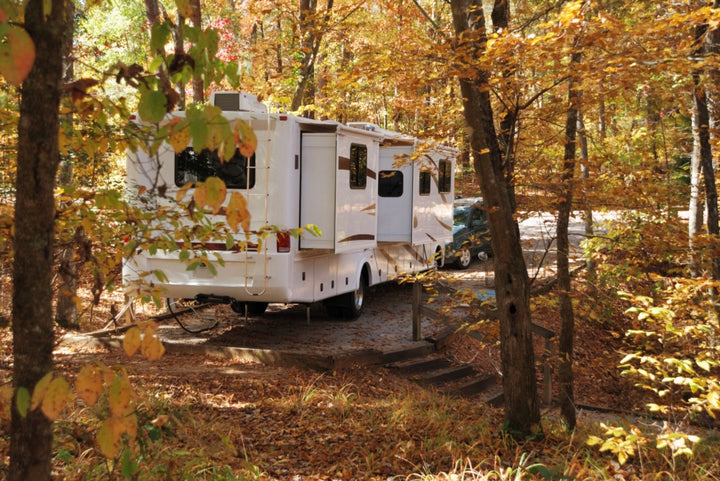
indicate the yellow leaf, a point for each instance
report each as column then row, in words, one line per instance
column 89, row 384
column 245, row 138
column 184, row 8
column 215, row 193
column 129, row 425
column 108, row 437
column 57, row 396
column 132, row 340
column 119, row 396
column 39, row 392
column 151, row 347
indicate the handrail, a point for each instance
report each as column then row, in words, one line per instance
column 419, row 309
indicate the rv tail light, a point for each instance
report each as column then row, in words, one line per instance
column 283, row 117
column 283, row 242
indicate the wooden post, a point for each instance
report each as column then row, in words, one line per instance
column 547, row 373
column 417, row 311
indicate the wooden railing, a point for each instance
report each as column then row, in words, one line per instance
column 421, row 309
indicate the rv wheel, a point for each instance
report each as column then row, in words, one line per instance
column 355, row 301
column 253, row 308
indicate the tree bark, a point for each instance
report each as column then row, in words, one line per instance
column 512, row 285
column 37, row 163
column 567, row 319
column 197, row 82
column 586, row 204
column 66, row 311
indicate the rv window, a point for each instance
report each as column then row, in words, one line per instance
column 235, row 172
column 425, row 180
column 444, row 176
column 390, row 183
column 358, row 166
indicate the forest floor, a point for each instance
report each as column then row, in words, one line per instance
column 359, row 422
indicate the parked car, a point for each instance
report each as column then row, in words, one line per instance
column 471, row 233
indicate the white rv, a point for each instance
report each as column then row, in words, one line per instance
column 378, row 220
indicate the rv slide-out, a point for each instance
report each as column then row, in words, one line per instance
column 381, row 200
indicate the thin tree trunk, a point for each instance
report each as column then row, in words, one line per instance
column 696, row 209
column 197, row 82
column 66, row 311
column 506, row 136
column 180, row 51
column 567, row 319
column 34, row 222
column 585, row 173
column 311, row 39
column 512, row 285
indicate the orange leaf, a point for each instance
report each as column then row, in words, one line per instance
column 245, row 138
column 179, row 134
column 237, row 212
column 17, row 55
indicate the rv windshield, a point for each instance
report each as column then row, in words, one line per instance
column 237, row 172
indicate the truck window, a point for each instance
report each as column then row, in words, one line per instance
column 237, row 172
column 390, row 183
column 358, row 166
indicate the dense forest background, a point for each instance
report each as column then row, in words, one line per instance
column 559, row 107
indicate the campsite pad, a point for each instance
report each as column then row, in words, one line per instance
column 284, row 335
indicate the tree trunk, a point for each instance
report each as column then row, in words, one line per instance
column 311, row 38
column 567, row 319
column 66, row 311
column 696, row 210
column 585, row 173
column 37, row 164
column 512, row 285
column 501, row 21
column 197, row 82
column 180, row 51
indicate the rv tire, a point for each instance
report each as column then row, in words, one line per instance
column 253, row 308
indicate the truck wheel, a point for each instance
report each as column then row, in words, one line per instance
column 463, row 262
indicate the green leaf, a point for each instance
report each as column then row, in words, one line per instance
column 128, row 466
column 22, row 401
column 152, row 106
column 159, row 36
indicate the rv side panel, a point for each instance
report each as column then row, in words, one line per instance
column 317, row 188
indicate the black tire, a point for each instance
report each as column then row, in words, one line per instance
column 464, row 259
column 253, row 308
column 348, row 306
